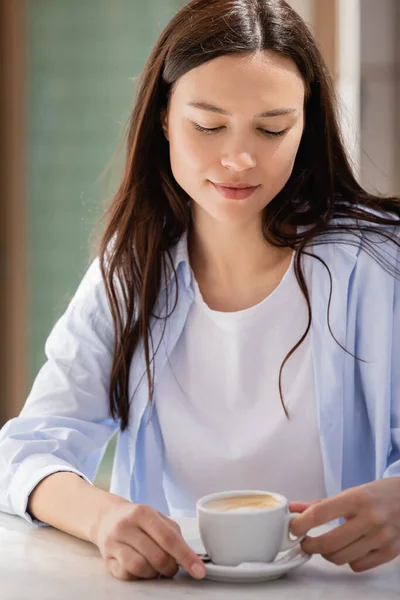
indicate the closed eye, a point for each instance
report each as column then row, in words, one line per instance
column 210, row 130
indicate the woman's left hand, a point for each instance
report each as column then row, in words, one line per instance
column 371, row 534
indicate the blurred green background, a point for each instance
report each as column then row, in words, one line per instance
column 83, row 56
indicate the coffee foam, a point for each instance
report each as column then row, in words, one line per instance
column 243, row 504
column 245, row 509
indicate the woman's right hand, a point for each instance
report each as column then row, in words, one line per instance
column 138, row 542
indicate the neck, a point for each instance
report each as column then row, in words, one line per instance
column 230, row 254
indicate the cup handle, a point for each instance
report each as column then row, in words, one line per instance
column 288, row 543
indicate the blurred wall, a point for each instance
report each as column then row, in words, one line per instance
column 348, row 80
column 380, row 98
column 305, row 8
column 13, row 274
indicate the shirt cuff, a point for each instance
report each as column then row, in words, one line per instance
column 28, row 475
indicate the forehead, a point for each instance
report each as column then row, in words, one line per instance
column 259, row 79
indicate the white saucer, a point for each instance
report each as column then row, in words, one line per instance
column 246, row 572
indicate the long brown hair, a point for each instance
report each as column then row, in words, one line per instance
column 149, row 212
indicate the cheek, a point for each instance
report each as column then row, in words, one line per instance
column 188, row 151
column 279, row 163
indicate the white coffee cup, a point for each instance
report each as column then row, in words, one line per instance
column 245, row 533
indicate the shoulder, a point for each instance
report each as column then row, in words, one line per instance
column 89, row 305
column 366, row 241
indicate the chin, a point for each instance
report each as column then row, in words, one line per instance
column 234, row 218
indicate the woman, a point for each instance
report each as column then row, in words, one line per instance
column 240, row 327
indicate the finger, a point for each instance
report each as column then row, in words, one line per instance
column 156, row 557
column 134, row 563
column 171, row 522
column 376, row 540
column 376, row 558
column 298, row 507
column 118, row 572
column 337, row 539
column 329, row 509
column 171, row 541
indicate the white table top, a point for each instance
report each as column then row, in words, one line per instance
column 46, row 564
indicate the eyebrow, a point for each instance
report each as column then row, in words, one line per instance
column 277, row 112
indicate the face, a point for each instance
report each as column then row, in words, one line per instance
column 235, row 121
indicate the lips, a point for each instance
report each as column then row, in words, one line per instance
column 238, row 191
column 230, row 184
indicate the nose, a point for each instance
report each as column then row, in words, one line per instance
column 239, row 161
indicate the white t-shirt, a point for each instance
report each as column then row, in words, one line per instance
column 219, row 408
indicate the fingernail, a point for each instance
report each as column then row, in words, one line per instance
column 198, row 571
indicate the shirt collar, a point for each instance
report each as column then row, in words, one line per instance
column 180, row 259
column 181, row 263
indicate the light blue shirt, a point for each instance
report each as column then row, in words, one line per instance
column 65, row 423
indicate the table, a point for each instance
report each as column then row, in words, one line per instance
column 46, row 564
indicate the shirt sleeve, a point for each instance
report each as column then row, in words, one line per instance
column 393, row 465
column 65, row 423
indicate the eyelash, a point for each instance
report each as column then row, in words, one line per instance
column 213, row 130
